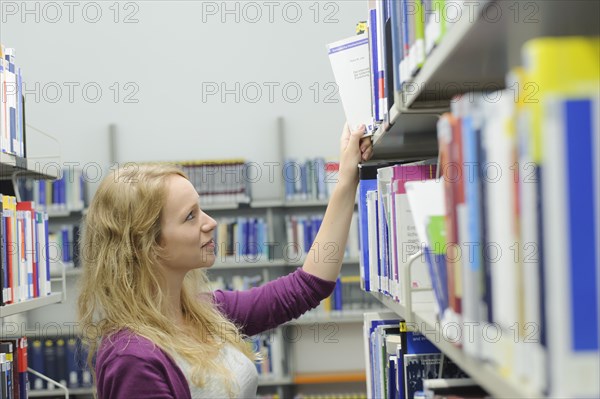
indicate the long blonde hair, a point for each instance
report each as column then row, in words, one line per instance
column 120, row 288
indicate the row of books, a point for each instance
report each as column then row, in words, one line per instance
column 347, row 296
column 62, row 359
column 14, row 382
column 387, row 230
column 64, row 244
column 269, row 347
column 67, row 193
column 24, row 251
column 236, row 282
column 242, row 237
column 12, row 114
column 301, row 231
column 398, row 359
column 313, row 179
column 221, row 182
column 354, row 395
column 510, row 229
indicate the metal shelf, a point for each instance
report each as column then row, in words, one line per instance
column 335, row 316
column 25, row 306
column 42, row 393
column 22, row 167
column 242, row 264
column 264, row 204
column 407, row 136
column 274, row 381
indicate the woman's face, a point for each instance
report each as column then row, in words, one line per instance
column 186, row 231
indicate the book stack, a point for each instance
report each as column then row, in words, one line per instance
column 24, row 251
column 14, row 381
column 387, row 229
column 398, row 359
column 510, row 231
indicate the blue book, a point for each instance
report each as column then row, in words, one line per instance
column 397, row 50
column 36, row 362
column 367, row 182
column 413, row 343
column 374, row 61
column 337, row 295
column 71, row 363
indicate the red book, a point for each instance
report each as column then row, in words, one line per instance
column 29, row 250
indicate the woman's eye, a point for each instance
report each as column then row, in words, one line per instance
column 190, row 216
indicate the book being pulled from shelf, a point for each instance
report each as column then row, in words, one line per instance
column 349, row 60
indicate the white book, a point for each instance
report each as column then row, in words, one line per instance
column 570, row 201
column 406, row 245
column 426, row 199
column 349, row 60
column 373, row 241
column 384, row 178
column 498, row 145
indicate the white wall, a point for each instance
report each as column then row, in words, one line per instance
column 169, row 57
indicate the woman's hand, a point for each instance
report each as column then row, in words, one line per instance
column 354, row 149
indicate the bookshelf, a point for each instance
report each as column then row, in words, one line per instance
column 477, row 54
column 26, row 306
column 274, row 212
column 425, row 320
column 14, row 166
column 43, row 393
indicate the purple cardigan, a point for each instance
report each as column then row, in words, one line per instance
column 129, row 366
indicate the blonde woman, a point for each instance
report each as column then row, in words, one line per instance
column 152, row 330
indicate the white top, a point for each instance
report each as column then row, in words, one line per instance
column 243, row 371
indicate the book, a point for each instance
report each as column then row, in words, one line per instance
column 349, row 60
column 371, row 321
column 367, row 182
column 426, row 199
column 564, row 194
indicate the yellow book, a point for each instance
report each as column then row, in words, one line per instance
column 566, row 65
